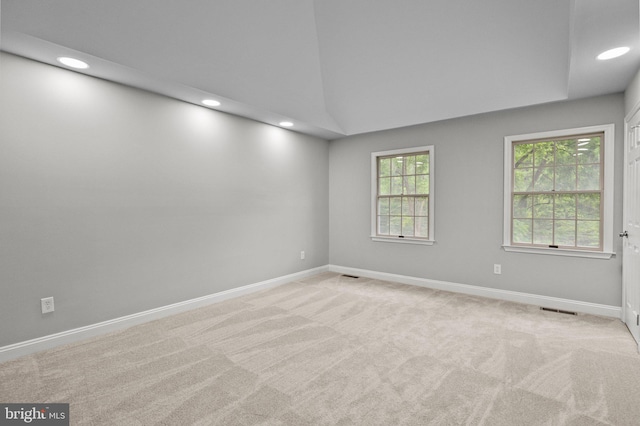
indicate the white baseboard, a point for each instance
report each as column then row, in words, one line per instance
column 511, row 296
column 77, row 334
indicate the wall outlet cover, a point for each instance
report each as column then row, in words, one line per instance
column 47, row 305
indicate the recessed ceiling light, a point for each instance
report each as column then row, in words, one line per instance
column 211, row 102
column 613, row 53
column 73, row 63
column 286, row 123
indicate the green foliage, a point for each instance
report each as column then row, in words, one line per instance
column 523, row 155
column 543, row 154
column 565, row 151
column 543, row 206
column 564, row 206
column 384, row 186
column 396, row 206
column 409, row 185
column 422, row 184
column 384, row 167
column 522, row 231
column 403, row 189
column 589, row 177
column 542, row 231
column 550, row 206
column 422, row 164
column 589, row 152
column 396, row 185
column 522, row 206
column 396, row 166
column 588, row 233
column 407, row 216
column 565, row 233
column 422, row 206
column 588, row 206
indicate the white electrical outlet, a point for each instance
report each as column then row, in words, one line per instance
column 47, row 304
column 302, row 255
column 497, row 269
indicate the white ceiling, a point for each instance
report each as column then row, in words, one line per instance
column 339, row 67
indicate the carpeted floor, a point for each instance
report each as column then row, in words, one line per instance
column 332, row 350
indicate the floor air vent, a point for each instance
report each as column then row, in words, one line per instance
column 560, row 311
column 349, row 276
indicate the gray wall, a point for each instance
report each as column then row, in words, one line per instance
column 115, row 200
column 469, row 200
column 632, row 94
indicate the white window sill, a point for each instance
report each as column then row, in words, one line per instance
column 559, row 252
column 405, row 240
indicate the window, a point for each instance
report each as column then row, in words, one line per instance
column 402, row 195
column 559, row 192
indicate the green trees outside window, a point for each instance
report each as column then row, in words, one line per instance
column 403, row 195
column 558, row 192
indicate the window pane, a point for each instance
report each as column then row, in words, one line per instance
column 565, row 152
column 422, row 184
column 544, row 153
column 522, row 231
column 400, row 210
column 383, row 225
column 384, row 167
column 395, row 206
column 543, row 179
column 589, row 177
column 565, row 206
column 383, row 206
column 384, row 186
column 422, row 164
column 523, row 180
column 566, row 178
column 589, row 152
column 557, row 191
column 395, row 225
column 542, row 231
column 410, row 165
column 422, row 227
column 408, row 206
column 565, row 233
column 588, row 233
column 422, row 206
column 589, row 206
column 522, row 206
column 396, row 166
column 407, row 226
column 396, row 185
column 409, row 185
column 523, row 155
column 543, row 206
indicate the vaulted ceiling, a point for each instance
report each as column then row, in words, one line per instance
column 339, row 67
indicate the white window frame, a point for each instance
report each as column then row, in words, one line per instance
column 607, row 214
column 374, row 196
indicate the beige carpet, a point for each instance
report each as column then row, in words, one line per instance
column 339, row 351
